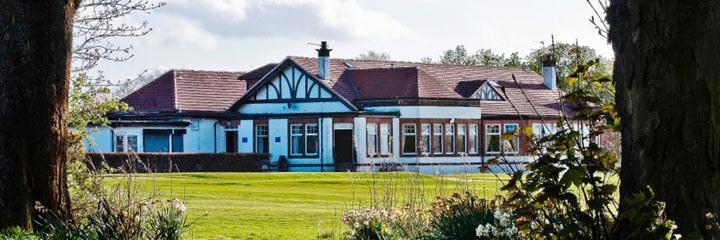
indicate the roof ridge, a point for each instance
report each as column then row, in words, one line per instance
column 207, row 71
column 418, row 63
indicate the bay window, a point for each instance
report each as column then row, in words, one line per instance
column 437, row 139
column 512, row 146
column 449, row 138
column 473, row 138
column 385, row 139
column 425, row 140
column 461, row 138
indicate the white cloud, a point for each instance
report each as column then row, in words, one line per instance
column 324, row 19
column 171, row 29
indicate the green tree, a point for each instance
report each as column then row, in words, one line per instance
column 566, row 56
column 375, row 56
column 668, row 98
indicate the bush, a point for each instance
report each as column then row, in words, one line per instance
column 181, row 162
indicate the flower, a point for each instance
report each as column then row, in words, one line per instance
column 179, row 205
column 483, row 230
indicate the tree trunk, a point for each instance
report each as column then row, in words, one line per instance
column 35, row 44
column 667, row 69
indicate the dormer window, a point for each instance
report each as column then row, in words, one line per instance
column 488, row 92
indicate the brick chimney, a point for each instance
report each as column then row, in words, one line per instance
column 324, row 61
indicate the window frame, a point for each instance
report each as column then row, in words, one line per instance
column 475, row 136
column 450, row 132
column 301, row 139
column 404, row 140
column 258, row 136
column 515, row 138
column 388, row 140
column 487, row 138
column 464, row 139
column 372, row 151
column 427, row 134
column 308, row 134
column 441, row 134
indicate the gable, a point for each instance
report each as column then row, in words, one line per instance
column 487, row 93
column 290, row 89
column 291, row 84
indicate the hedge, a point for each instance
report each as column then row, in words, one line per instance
column 181, row 162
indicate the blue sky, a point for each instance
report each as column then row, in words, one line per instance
column 238, row 35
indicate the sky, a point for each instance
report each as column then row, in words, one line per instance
column 239, row 35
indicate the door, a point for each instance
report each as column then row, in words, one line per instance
column 231, row 141
column 343, row 142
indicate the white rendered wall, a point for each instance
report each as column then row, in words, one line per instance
column 430, row 111
column 246, row 130
column 360, row 134
column 278, row 128
column 297, row 107
column 326, row 138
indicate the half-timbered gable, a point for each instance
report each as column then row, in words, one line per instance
column 289, row 89
column 488, row 92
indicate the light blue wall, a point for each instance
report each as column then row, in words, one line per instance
column 101, row 140
column 278, row 128
column 246, row 130
column 297, row 107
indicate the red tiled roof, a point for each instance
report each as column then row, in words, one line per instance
column 372, row 79
column 255, row 75
column 188, row 90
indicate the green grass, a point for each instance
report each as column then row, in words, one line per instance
column 296, row 205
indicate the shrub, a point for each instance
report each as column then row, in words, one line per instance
column 459, row 216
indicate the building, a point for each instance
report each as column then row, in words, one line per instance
column 329, row 114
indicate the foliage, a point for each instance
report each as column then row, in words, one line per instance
column 88, row 104
column 459, row 216
column 567, row 56
column 382, row 223
column 567, row 192
column 483, row 57
column 15, row 233
column 375, row 56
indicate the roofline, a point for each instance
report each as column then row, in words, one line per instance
column 283, row 64
column 418, row 63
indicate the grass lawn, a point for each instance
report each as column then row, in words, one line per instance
column 296, row 205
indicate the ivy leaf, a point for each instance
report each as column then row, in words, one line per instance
column 527, row 131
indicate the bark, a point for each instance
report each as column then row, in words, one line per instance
column 668, row 96
column 35, row 43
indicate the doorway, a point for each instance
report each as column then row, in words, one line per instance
column 343, row 147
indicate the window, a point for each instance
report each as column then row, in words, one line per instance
column 120, row 143
column 385, row 138
column 262, row 140
column 409, row 138
column 461, row 138
column 132, row 142
column 426, row 138
column 126, row 143
column 512, row 146
column 473, row 139
column 492, row 138
column 437, row 139
column 372, row 138
column 312, row 140
column 449, row 138
column 296, row 136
